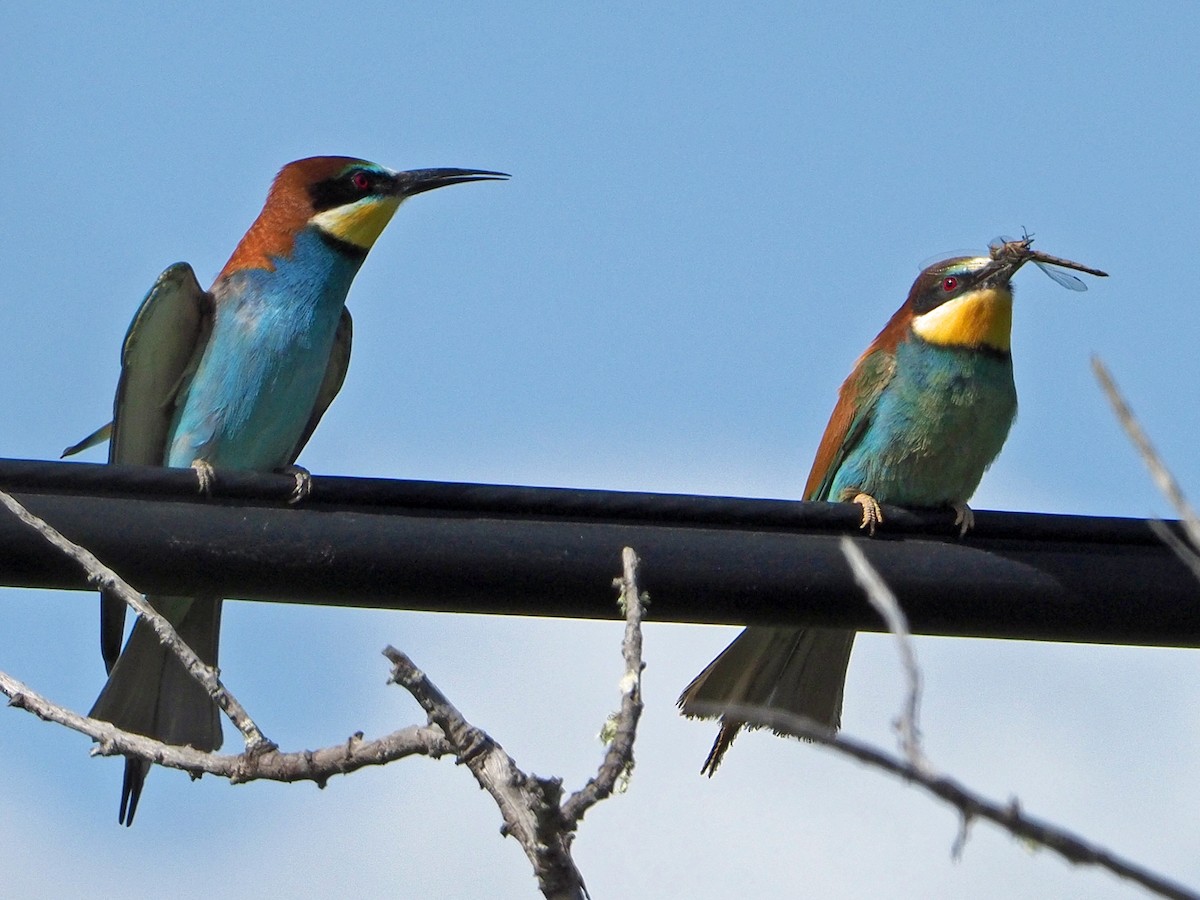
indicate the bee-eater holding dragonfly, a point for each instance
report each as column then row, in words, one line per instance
column 924, row 412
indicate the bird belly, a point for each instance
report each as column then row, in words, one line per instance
column 937, row 426
column 252, row 396
column 257, row 383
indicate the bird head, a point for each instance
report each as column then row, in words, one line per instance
column 350, row 201
column 965, row 302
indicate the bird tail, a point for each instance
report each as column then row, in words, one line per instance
column 149, row 692
column 801, row 672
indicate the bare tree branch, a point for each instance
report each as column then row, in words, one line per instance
column 884, row 601
column 532, row 807
column 1177, row 545
column 916, row 769
column 105, row 578
column 305, row 765
column 621, row 728
column 1158, row 470
column 972, row 805
column 529, row 805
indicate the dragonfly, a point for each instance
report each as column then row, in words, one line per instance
column 1021, row 249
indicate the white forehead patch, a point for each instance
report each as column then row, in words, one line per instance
column 970, row 265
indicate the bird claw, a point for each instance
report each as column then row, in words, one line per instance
column 303, row 482
column 205, row 475
column 964, row 517
column 872, row 513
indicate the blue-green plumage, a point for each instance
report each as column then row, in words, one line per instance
column 257, row 382
column 924, row 412
column 936, row 426
column 238, row 377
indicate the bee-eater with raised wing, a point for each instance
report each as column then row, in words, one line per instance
column 237, row 377
column 924, row 412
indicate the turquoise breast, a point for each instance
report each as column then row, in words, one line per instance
column 936, row 427
column 257, row 382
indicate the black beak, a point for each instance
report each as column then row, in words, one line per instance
column 417, row 181
column 1002, row 268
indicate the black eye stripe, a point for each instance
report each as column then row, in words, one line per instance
column 934, row 288
column 344, row 188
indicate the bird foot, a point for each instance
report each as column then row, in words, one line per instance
column 205, row 475
column 872, row 513
column 303, row 482
column 964, row 517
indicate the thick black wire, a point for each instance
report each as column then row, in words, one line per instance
column 553, row 551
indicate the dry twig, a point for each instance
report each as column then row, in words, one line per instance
column 271, row 765
column 102, row 577
column 1158, row 471
column 618, row 759
column 885, row 603
column 532, row 807
column 972, row 805
column 915, row 769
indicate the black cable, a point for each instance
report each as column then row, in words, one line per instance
column 554, row 551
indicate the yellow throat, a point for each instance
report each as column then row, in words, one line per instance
column 981, row 318
column 358, row 223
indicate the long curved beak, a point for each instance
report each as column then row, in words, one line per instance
column 417, row 181
column 1002, row 267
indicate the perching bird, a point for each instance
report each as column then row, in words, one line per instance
column 237, row 378
column 922, row 415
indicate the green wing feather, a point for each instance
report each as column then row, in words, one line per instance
column 161, row 351
column 335, row 374
column 855, row 407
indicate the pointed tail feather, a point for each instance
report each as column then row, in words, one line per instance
column 801, row 672
column 99, row 436
column 112, row 628
column 149, row 692
column 136, row 771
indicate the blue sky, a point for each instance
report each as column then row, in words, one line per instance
column 711, row 214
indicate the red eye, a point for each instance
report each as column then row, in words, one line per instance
column 949, row 283
column 360, row 180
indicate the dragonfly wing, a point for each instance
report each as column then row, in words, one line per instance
column 1066, row 279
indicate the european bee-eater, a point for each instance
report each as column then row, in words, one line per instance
column 237, row 378
column 922, row 415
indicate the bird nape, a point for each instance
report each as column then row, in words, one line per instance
column 237, row 377
column 924, row 412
